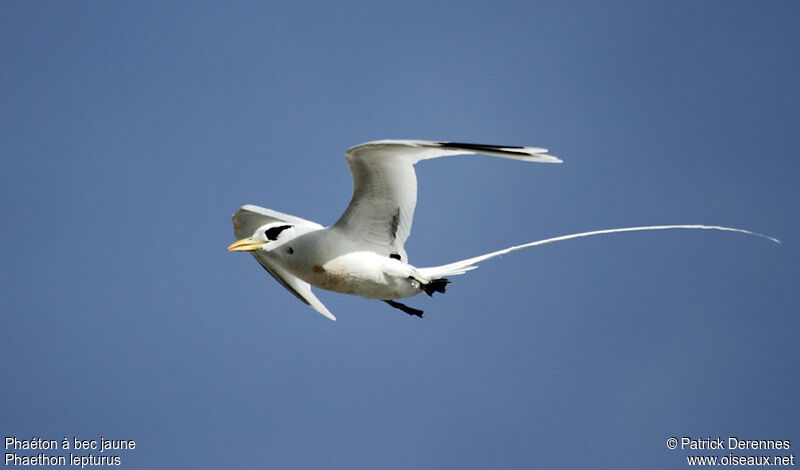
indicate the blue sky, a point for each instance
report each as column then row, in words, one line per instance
column 132, row 131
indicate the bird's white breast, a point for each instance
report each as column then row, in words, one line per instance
column 365, row 274
column 325, row 261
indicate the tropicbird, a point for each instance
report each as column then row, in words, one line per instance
column 362, row 253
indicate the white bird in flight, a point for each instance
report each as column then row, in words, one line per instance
column 362, row 253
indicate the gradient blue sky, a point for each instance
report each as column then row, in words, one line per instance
column 131, row 131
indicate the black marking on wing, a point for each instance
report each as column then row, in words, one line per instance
column 395, row 256
column 393, row 225
column 483, row 147
column 272, row 234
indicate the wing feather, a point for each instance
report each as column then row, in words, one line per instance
column 298, row 287
column 249, row 217
column 385, row 186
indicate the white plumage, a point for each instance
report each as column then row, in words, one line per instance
column 362, row 253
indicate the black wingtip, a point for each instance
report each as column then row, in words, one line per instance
column 484, row 147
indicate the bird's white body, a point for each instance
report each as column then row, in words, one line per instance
column 362, row 253
column 329, row 259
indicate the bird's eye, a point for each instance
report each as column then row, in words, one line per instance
column 272, row 233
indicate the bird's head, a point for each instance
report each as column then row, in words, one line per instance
column 264, row 237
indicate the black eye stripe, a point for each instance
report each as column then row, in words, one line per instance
column 272, row 234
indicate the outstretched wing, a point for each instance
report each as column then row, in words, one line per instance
column 246, row 220
column 298, row 287
column 249, row 217
column 385, row 186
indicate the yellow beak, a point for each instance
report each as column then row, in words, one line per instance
column 246, row 244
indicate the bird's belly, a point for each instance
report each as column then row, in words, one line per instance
column 364, row 274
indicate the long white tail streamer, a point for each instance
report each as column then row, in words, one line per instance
column 461, row 267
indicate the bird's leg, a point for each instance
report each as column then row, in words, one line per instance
column 405, row 308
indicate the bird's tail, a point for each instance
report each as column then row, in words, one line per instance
column 461, row 267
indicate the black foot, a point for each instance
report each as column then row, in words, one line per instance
column 405, row 308
column 436, row 285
